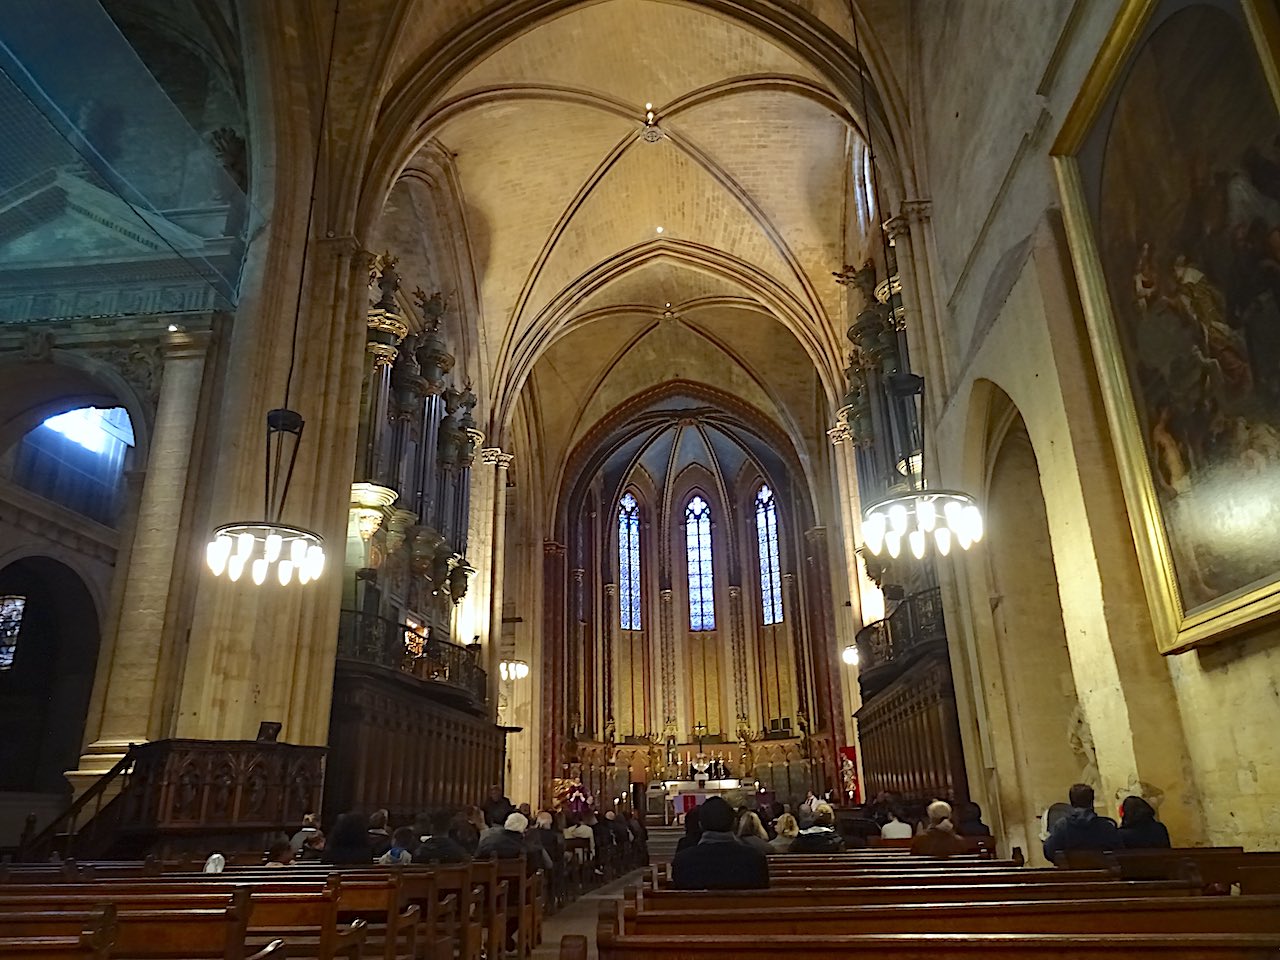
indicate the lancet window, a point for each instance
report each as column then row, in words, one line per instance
column 697, row 535
column 629, row 562
column 767, row 541
column 11, row 610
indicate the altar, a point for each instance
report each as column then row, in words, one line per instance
column 681, row 796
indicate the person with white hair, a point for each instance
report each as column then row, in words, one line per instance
column 939, row 838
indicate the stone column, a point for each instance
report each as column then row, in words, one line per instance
column 667, row 666
column 828, row 709
column 495, row 464
column 126, row 691
column 259, row 654
column 738, row 659
column 607, row 693
column 554, row 695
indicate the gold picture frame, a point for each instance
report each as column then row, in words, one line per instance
column 1177, row 626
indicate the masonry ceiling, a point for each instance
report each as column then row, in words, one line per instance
column 562, row 200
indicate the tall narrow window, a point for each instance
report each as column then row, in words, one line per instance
column 697, row 538
column 11, row 609
column 629, row 562
column 767, row 538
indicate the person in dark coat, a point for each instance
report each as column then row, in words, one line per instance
column 497, row 808
column 379, row 837
column 692, row 831
column 822, row 836
column 1082, row 828
column 348, row 842
column 439, row 846
column 719, row 861
column 970, row 823
column 1139, row 828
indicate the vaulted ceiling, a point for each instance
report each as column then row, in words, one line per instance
column 606, row 261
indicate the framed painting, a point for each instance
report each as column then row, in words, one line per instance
column 1169, row 169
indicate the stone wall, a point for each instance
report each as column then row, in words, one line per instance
column 1160, row 725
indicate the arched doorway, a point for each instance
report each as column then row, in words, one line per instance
column 49, row 636
column 1050, row 742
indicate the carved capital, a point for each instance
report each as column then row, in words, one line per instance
column 839, row 434
column 666, row 595
column 896, row 227
column 493, row 456
column 611, row 589
column 735, row 593
column 917, row 211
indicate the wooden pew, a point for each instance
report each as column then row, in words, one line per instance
column 1260, row 880
column 160, row 934
column 831, row 896
column 1256, row 914
column 307, row 916
column 714, row 945
column 1219, row 866
column 522, row 904
column 88, row 934
column 924, row 878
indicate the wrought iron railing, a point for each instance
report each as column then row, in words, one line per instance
column 411, row 650
column 917, row 620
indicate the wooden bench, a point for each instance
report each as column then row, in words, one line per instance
column 830, row 896
column 307, row 917
column 927, row 878
column 161, row 934
column 1246, row 914
column 1219, row 866
column 53, row 948
column 714, row 944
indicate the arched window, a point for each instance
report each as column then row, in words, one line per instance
column 629, row 562
column 11, row 609
column 767, row 539
column 76, row 459
column 697, row 539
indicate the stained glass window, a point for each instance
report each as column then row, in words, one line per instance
column 11, row 609
column 767, row 539
column 697, row 538
column 629, row 562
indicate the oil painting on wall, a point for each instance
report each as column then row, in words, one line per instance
column 1182, row 178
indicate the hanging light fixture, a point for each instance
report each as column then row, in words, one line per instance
column 918, row 518
column 268, row 549
column 850, row 655
column 513, row 669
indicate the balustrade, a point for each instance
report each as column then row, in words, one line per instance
column 387, row 643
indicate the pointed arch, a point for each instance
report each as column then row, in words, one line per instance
column 698, row 557
column 630, row 594
column 767, row 550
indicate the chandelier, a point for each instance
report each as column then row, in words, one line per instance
column 920, row 518
column 267, row 546
column 513, row 669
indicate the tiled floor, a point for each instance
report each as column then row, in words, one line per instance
column 580, row 917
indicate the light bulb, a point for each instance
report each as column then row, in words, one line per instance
column 244, row 544
column 962, row 537
column 216, row 556
column 285, row 572
column 524, row 670
column 898, row 519
column 926, row 515
column 954, row 514
column 304, row 574
column 893, row 543
column 916, row 539
column 942, row 537
column 973, row 522
column 504, row 670
column 298, row 552
column 873, row 533
column 271, row 550
column 260, row 570
column 315, row 561
column 235, row 567
column 850, row 655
